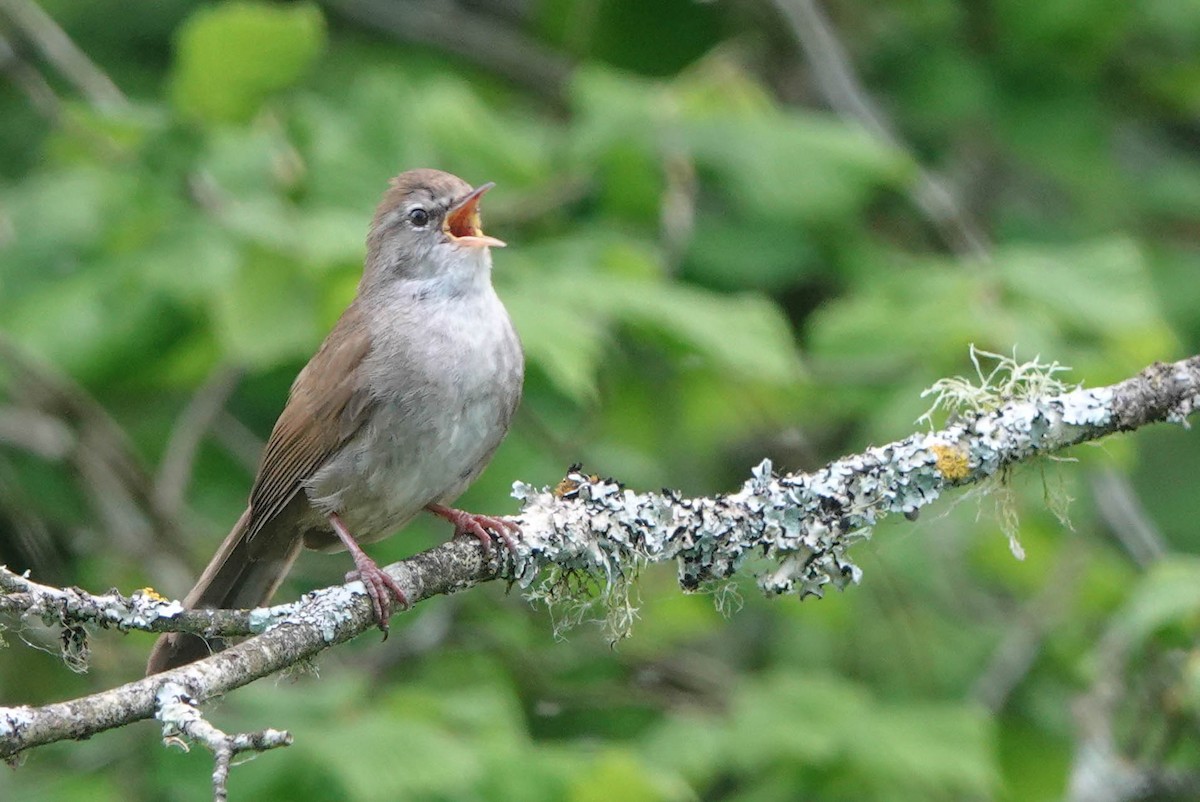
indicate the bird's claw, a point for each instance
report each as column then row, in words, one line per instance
column 483, row 527
column 381, row 588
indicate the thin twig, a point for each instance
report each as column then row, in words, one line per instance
column 110, row 471
column 840, row 86
column 37, row 432
column 41, row 29
column 175, row 469
column 1014, row 656
column 465, row 33
column 238, row 439
column 1127, row 519
column 35, row 86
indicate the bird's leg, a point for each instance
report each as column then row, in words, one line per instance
column 379, row 584
column 483, row 527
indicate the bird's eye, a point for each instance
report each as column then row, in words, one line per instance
column 419, row 217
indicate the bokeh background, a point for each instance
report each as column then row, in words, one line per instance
column 738, row 229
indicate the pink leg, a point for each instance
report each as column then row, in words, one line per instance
column 377, row 582
column 484, row 527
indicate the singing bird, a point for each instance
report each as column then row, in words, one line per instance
column 399, row 411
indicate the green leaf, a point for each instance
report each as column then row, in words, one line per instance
column 1169, row 594
column 230, row 57
column 1100, row 289
column 192, row 261
column 732, row 252
column 618, row 774
column 828, row 724
column 562, row 343
column 745, row 335
column 788, row 166
column 602, row 282
column 266, row 315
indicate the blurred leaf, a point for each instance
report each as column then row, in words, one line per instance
column 618, row 774
column 266, row 315
column 564, row 344
column 744, row 335
column 564, row 317
column 229, row 57
column 937, row 749
column 77, row 201
column 192, row 261
column 797, row 167
column 721, row 255
column 1100, row 290
column 901, row 312
column 1168, row 595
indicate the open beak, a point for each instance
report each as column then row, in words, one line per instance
column 462, row 221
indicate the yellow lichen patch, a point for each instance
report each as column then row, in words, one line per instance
column 566, row 488
column 952, row 462
column 569, row 486
column 152, row 594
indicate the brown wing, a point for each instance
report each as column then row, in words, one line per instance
column 328, row 403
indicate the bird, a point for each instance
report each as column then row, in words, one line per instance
column 399, row 411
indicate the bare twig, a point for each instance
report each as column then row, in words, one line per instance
column 41, row 29
column 465, row 33
column 837, row 81
column 35, row 86
column 32, row 535
column 238, row 439
column 1103, row 769
column 113, row 475
column 175, row 469
column 36, row 432
column 1022, row 642
column 1127, row 519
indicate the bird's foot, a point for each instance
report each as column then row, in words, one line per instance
column 483, row 527
column 380, row 585
column 380, row 588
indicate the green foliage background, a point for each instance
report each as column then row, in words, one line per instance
column 707, row 268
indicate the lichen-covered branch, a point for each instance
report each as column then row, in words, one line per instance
column 290, row 633
column 799, row 527
column 804, row 524
column 182, row 719
column 144, row 609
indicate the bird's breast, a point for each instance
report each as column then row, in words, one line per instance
column 444, row 387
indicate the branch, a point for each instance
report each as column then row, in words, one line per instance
column 293, row 633
column 592, row 531
column 193, row 423
column 180, row 716
column 58, row 48
column 841, row 87
column 457, row 29
column 144, row 609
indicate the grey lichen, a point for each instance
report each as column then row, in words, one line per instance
column 328, row 610
column 183, row 722
column 14, row 719
column 798, row 529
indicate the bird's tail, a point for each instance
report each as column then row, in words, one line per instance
column 243, row 573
